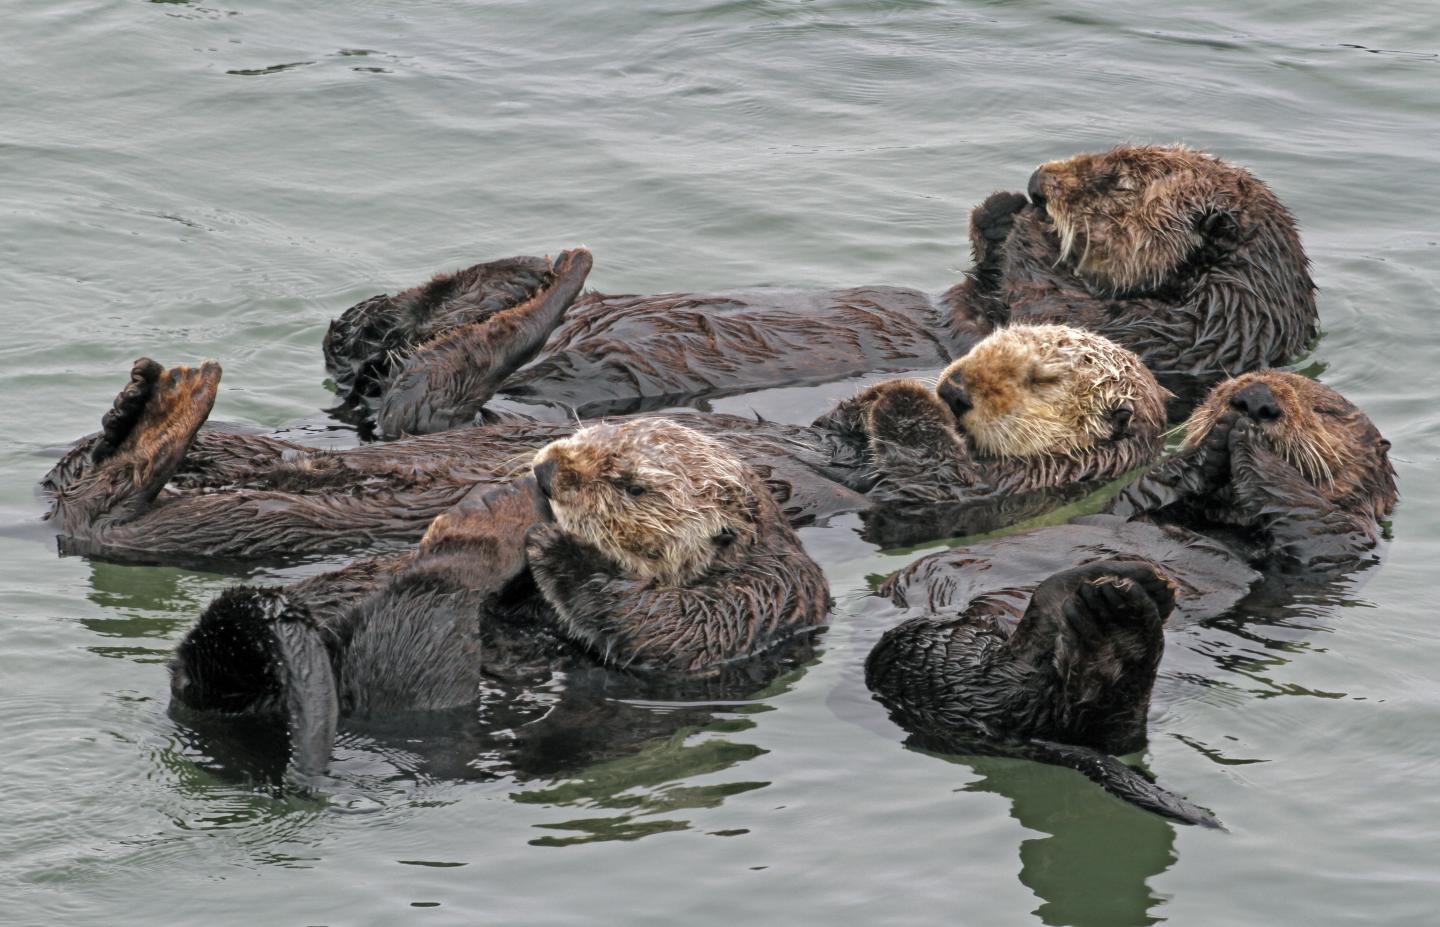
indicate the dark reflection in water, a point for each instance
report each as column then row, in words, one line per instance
column 618, row 747
column 1093, row 865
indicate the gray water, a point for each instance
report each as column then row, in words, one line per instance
column 221, row 177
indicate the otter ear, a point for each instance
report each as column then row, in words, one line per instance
column 1120, row 421
column 724, row 537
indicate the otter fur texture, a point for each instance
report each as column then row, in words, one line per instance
column 1279, row 479
column 718, row 579
column 1188, row 260
column 1043, row 409
column 1066, row 681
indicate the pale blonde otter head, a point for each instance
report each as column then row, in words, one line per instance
column 660, row 499
column 1037, row 390
column 1333, row 444
column 1128, row 219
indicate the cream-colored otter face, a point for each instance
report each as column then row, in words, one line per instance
column 1333, row 444
column 660, row 499
column 1129, row 218
column 1032, row 390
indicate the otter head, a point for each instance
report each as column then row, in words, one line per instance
column 1333, row 444
column 1128, row 219
column 1033, row 390
column 662, row 500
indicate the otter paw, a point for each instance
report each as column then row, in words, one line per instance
column 905, row 412
column 116, row 424
column 1115, row 592
column 1215, row 450
column 993, row 219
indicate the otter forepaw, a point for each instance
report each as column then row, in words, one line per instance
column 905, row 412
column 1101, row 595
column 991, row 222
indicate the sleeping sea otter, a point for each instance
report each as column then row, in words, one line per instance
column 1187, row 260
column 666, row 555
column 1039, row 408
column 1277, row 473
column 1191, row 262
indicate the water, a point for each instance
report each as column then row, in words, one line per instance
column 220, row 177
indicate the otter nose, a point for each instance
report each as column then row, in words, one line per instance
column 952, row 393
column 544, row 474
column 1258, row 402
column 1036, row 188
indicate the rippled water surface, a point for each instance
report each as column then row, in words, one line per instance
column 220, row 177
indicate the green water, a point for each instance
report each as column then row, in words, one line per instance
column 219, row 178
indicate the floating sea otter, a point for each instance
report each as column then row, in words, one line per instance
column 1191, row 262
column 1037, row 408
column 666, row 555
column 1277, row 472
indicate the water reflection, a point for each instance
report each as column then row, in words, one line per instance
column 1093, row 866
column 621, row 750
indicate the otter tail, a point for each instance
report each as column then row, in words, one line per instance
column 1124, row 782
column 258, row 652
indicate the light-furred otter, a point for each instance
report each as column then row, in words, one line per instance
column 1277, row 473
column 1040, row 408
column 1189, row 261
column 666, row 556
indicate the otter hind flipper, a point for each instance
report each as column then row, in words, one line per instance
column 144, row 438
column 1124, row 782
column 445, row 382
column 363, row 343
column 259, row 652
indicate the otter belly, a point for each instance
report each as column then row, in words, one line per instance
column 618, row 354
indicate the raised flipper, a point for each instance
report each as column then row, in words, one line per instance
column 364, row 346
column 447, row 381
column 258, row 652
column 143, row 439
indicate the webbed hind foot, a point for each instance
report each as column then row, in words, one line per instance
column 142, row 441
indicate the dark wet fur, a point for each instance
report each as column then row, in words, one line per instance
column 1242, row 299
column 1067, row 683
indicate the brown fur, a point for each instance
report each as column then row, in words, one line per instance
column 1187, row 260
column 1332, row 444
column 619, row 488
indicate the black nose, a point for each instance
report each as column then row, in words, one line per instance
column 1258, row 402
column 1036, row 187
column 544, row 473
column 952, row 393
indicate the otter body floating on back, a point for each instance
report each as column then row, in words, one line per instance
column 1277, row 474
column 666, row 556
column 1028, row 413
column 1189, row 261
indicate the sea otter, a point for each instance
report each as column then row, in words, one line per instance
column 652, row 549
column 1278, row 477
column 1031, row 409
column 1189, row 261
column 1063, row 678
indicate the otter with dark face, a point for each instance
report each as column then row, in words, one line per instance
column 1187, row 260
column 1067, row 680
column 666, row 556
column 1041, row 410
column 1278, row 474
